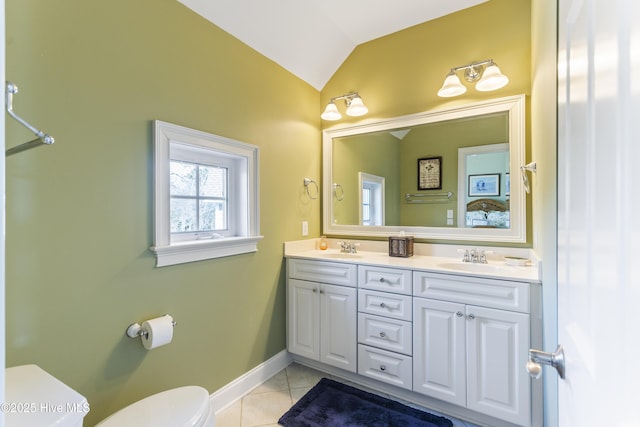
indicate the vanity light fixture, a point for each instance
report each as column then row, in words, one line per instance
column 485, row 72
column 355, row 107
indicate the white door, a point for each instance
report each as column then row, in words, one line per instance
column 338, row 319
column 497, row 384
column 303, row 326
column 439, row 332
column 599, row 211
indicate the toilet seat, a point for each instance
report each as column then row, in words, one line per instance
column 180, row 407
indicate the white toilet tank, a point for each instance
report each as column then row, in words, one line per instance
column 35, row 398
column 187, row 406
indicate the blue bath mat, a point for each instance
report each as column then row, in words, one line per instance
column 332, row 404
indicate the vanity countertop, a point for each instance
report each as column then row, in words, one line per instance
column 496, row 268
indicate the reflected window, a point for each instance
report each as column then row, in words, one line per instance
column 371, row 199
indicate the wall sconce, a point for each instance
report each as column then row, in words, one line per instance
column 355, row 107
column 490, row 78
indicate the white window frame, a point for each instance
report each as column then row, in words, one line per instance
column 246, row 221
column 377, row 201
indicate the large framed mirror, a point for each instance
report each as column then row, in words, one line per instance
column 442, row 175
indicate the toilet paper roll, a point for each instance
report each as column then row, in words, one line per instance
column 157, row 332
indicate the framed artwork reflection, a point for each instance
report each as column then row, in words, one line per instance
column 484, row 185
column 430, row 173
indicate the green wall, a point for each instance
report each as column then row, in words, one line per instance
column 376, row 154
column 443, row 139
column 79, row 213
column 401, row 73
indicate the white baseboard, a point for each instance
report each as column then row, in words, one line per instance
column 241, row 386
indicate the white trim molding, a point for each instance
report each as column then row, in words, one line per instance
column 241, row 386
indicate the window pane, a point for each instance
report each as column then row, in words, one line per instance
column 182, row 179
column 184, row 216
column 212, row 215
column 213, row 181
column 366, row 206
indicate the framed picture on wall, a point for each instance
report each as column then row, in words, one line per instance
column 430, row 173
column 484, row 185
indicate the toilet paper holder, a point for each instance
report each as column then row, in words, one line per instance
column 135, row 330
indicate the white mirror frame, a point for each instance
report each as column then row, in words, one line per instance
column 514, row 105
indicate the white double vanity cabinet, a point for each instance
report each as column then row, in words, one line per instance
column 430, row 330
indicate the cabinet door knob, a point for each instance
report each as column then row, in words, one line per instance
column 459, row 314
column 471, row 316
column 383, row 368
column 315, row 290
column 321, row 291
column 382, row 335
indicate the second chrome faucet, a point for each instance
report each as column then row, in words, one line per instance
column 475, row 256
column 348, row 247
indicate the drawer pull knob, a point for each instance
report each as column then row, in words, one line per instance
column 459, row 314
column 382, row 335
column 381, row 280
column 383, row 368
column 383, row 305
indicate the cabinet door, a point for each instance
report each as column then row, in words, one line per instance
column 338, row 341
column 303, row 328
column 497, row 346
column 439, row 350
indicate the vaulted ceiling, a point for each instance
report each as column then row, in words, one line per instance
column 312, row 38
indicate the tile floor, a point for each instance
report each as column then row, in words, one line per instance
column 269, row 401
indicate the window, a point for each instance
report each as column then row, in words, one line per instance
column 371, row 199
column 206, row 196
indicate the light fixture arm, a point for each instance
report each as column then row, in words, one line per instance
column 472, row 65
column 347, row 98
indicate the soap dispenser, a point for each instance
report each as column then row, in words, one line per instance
column 323, row 244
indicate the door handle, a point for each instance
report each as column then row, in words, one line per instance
column 555, row 360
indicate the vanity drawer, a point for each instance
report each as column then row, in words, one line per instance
column 385, row 366
column 385, row 333
column 385, row 279
column 335, row 273
column 385, row 304
column 502, row 294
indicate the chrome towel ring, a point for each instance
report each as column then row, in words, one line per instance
column 338, row 192
column 313, row 195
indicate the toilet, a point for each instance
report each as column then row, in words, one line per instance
column 49, row 402
column 40, row 399
column 180, row 407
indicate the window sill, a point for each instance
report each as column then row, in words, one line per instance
column 180, row 253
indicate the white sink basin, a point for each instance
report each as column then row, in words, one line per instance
column 469, row 267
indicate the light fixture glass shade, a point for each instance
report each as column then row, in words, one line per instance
column 492, row 79
column 452, row 86
column 357, row 107
column 331, row 112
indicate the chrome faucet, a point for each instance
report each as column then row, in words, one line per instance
column 475, row 256
column 348, row 248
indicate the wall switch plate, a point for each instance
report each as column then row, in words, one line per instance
column 449, row 213
column 305, row 228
